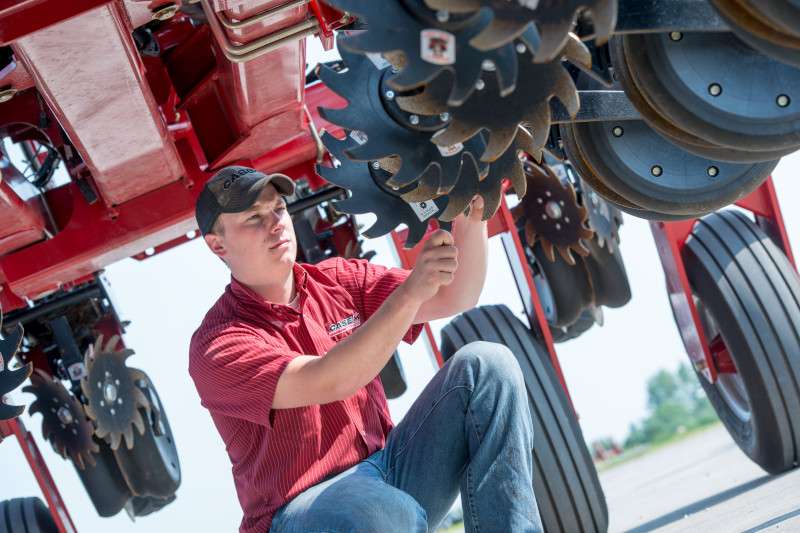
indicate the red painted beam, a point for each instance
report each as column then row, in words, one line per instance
column 23, row 17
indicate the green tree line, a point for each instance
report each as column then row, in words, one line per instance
column 676, row 403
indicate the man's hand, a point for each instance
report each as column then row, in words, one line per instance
column 435, row 267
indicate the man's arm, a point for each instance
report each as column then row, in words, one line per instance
column 470, row 235
column 355, row 361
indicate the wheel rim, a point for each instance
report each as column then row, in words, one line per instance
column 729, row 385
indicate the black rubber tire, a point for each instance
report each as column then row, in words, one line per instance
column 104, row 482
column 152, row 467
column 750, row 289
column 608, row 276
column 393, row 378
column 26, row 515
column 569, row 285
column 565, row 483
column 576, row 329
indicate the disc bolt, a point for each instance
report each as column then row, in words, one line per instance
column 64, row 415
column 675, row 35
column 480, row 85
column 389, row 95
column 656, row 170
column 783, row 101
column 617, row 131
column 540, row 200
column 553, row 210
column 413, row 119
column 444, row 117
column 715, row 89
column 520, row 48
column 165, row 12
column 566, row 219
column 376, row 165
column 113, row 411
column 548, row 193
column 442, row 15
column 712, row 171
column 110, row 393
column 7, row 94
column 558, row 226
column 488, row 65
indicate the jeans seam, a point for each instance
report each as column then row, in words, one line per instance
column 422, row 422
column 470, row 497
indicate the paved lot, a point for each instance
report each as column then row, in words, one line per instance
column 702, row 484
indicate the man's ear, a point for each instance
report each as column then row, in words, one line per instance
column 215, row 244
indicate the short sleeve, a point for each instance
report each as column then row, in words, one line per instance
column 371, row 284
column 236, row 372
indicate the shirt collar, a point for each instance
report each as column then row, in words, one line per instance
column 245, row 294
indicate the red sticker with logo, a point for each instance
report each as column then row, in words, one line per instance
column 437, row 47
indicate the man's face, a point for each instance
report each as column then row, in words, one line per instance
column 258, row 244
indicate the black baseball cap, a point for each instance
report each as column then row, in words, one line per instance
column 233, row 190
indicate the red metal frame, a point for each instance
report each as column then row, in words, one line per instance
column 710, row 356
column 46, row 483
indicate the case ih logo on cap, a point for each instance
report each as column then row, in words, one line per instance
column 236, row 174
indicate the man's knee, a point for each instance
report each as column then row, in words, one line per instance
column 490, row 360
column 388, row 511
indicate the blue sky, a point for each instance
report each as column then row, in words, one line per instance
column 166, row 297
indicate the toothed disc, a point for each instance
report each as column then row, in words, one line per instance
column 604, row 218
column 113, row 399
column 410, row 34
column 500, row 116
column 554, row 19
column 552, row 214
column 507, row 166
column 64, row 421
column 11, row 379
column 382, row 137
column 369, row 195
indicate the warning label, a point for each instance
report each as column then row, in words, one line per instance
column 424, row 210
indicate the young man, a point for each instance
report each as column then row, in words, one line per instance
column 287, row 361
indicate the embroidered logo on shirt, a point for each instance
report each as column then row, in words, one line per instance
column 346, row 324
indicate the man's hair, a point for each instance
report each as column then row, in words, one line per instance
column 218, row 228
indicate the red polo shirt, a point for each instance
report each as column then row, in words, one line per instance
column 237, row 355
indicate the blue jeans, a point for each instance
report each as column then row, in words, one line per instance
column 469, row 430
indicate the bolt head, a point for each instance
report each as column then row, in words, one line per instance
column 414, row 119
column 64, row 415
column 520, row 48
column 488, row 65
column 444, row 117
column 656, row 170
column 553, row 210
column 442, row 15
column 675, row 36
column 783, row 100
column 375, row 165
column 389, row 95
column 7, row 94
column 712, row 171
column 165, row 12
column 110, row 393
column 480, row 84
column 715, row 89
column 617, row 131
